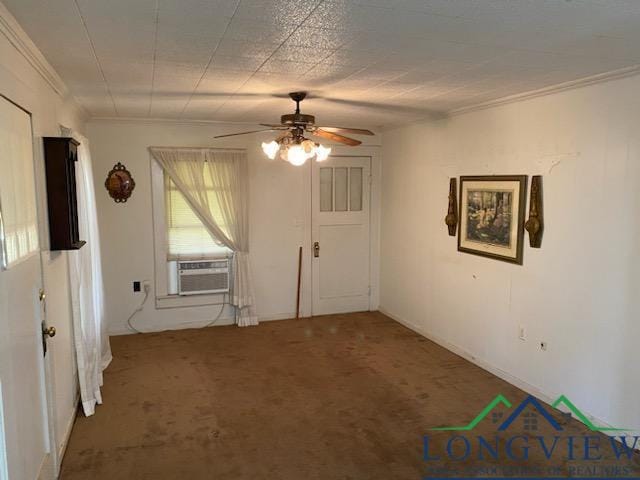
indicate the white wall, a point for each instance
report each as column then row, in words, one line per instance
column 26, row 86
column 579, row 292
column 279, row 221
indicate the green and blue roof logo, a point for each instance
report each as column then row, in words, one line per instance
column 496, row 453
column 534, row 403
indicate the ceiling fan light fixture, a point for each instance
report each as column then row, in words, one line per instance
column 291, row 144
column 295, row 151
column 270, row 149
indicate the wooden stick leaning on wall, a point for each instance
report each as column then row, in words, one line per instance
column 299, row 279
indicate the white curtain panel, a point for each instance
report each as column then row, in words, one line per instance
column 93, row 352
column 225, row 215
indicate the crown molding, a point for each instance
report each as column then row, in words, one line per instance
column 12, row 30
column 432, row 117
column 560, row 87
column 167, row 121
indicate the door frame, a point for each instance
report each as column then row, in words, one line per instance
column 50, row 466
column 375, row 154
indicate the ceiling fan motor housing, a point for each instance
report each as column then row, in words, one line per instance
column 297, row 119
column 293, row 126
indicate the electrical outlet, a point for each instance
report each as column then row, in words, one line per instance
column 543, row 346
column 521, row 333
column 136, row 286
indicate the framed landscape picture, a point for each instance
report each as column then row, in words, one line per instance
column 492, row 210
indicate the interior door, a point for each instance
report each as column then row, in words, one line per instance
column 23, row 428
column 340, row 235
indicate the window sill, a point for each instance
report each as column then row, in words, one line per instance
column 181, row 301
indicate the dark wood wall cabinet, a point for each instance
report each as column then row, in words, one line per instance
column 60, row 156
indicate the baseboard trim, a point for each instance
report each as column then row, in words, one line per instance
column 62, row 449
column 277, row 316
column 545, row 396
column 224, row 321
column 45, row 471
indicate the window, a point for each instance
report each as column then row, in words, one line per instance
column 341, row 189
column 178, row 235
column 187, row 238
column 18, row 216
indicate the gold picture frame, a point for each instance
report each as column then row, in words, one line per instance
column 492, row 211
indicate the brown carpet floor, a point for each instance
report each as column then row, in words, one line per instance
column 334, row 397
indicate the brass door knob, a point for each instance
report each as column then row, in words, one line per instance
column 50, row 331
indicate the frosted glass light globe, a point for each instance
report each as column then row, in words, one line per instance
column 270, row 149
column 322, row 153
column 309, row 148
column 296, row 155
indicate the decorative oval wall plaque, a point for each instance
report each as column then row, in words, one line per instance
column 119, row 183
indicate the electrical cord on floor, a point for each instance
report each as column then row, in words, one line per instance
column 147, row 289
column 215, row 320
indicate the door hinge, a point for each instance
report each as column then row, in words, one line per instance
column 370, row 179
column 369, row 290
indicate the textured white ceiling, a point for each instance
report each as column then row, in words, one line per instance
column 367, row 62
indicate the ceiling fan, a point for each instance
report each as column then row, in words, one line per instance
column 293, row 145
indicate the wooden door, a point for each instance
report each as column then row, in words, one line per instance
column 341, row 235
column 24, row 431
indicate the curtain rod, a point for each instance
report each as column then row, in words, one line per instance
column 201, row 148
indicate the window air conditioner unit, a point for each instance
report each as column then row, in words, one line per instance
column 203, row 276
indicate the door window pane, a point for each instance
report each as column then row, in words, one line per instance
column 18, row 214
column 355, row 189
column 341, row 187
column 326, row 189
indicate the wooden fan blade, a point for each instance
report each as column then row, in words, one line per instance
column 354, row 131
column 245, row 133
column 277, row 126
column 336, row 138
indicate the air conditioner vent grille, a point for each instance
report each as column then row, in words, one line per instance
column 203, row 277
column 205, row 281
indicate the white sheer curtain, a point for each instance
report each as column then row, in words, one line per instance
column 192, row 170
column 93, row 352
